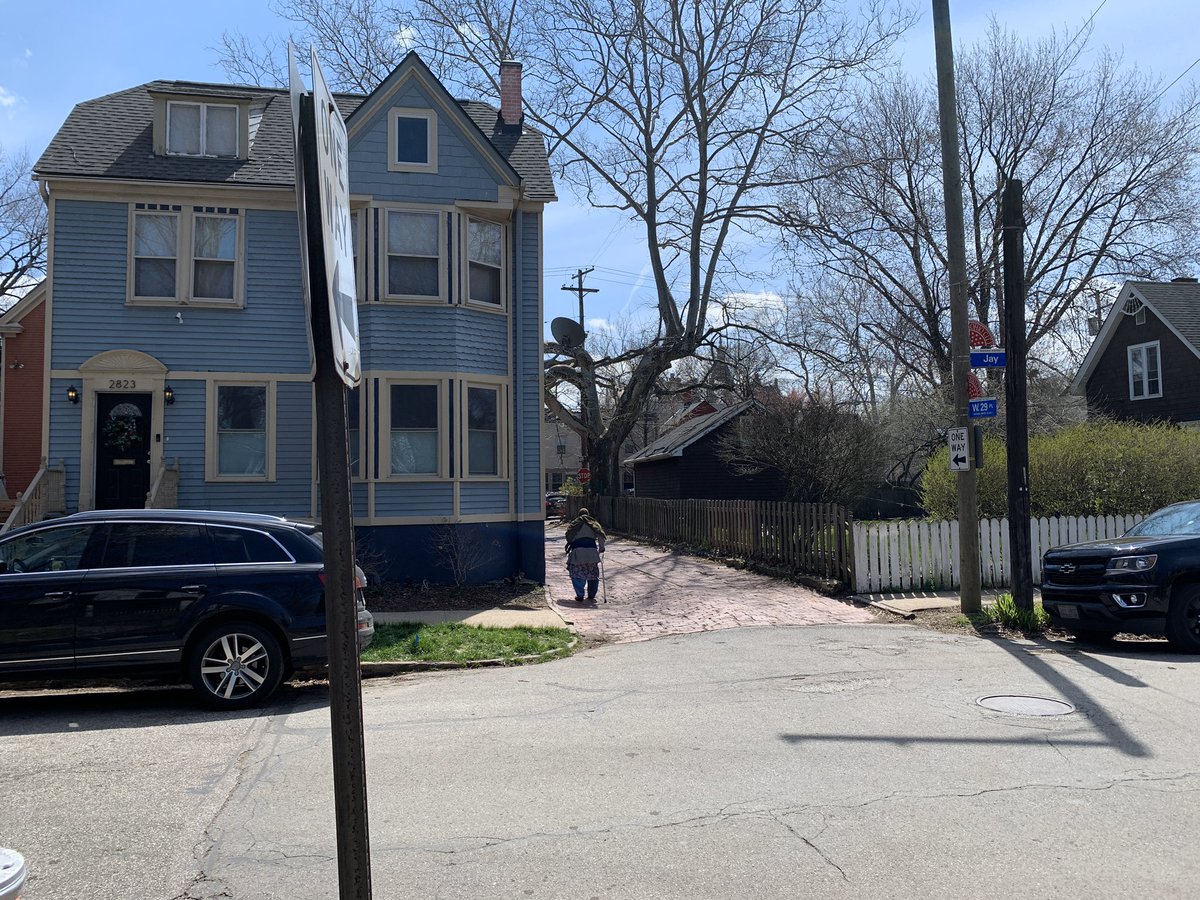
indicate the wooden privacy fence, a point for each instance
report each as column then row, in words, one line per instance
column 809, row 538
column 917, row 554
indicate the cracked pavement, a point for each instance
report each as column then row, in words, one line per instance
column 830, row 761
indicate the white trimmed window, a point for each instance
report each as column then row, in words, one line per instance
column 179, row 257
column 241, row 432
column 358, row 233
column 214, row 257
column 156, row 252
column 412, row 140
column 483, row 430
column 202, row 129
column 415, row 249
column 1145, row 371
column 415, row 429
column 485, row 263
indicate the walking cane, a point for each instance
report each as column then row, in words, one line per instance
column 603, row 583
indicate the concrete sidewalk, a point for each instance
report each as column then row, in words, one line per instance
column 906, row 603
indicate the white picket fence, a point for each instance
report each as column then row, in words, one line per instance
column 917, row 554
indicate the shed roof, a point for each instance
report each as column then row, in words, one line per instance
column 675, row 441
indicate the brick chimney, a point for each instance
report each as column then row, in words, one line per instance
column 510, row 94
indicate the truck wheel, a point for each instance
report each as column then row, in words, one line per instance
column 1183, row 619
column 235, row 665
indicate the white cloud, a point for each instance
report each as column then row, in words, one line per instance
column 28, row 53
column 599, row 324
column 405, row 37
column 7, row 98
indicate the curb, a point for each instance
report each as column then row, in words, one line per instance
column 400, row 667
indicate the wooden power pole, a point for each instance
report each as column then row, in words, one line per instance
column 968, row 504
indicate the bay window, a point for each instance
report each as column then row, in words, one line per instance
column 483, row 431
column 416, row 434
column 485, row 269
column 414, row 251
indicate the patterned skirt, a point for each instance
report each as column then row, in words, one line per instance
column 586, row 571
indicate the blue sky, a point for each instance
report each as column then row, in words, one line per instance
column 60, row 53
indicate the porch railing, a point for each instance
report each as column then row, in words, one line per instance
column 45, row 496
column 164, row 491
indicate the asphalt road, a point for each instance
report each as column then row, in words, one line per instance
column 828, row 761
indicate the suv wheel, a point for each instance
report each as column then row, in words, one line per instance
column 1183, row 619
column 235, row 665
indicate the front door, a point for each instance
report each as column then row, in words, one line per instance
column 122, row 450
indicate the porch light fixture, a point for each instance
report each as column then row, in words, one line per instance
column 73, row 394
column 168, row 395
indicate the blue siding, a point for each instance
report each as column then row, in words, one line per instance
column 288, row 495
column 414, row 498
column 527, row 365
column 407, row 552
column 91, row 242
column 433, row 338
column 483, row 498
column 462, row 172
column 360, row 506
column 66, row 420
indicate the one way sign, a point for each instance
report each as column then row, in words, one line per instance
column 959, row 461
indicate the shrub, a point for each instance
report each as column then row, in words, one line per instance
column 1095, row 469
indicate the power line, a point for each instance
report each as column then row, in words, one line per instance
column 1177, row 79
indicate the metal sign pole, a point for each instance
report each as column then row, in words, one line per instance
column 333, row 466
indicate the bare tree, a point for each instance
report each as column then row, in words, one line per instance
column 23, row 228
column 1109, row 183
column 824, row 452
column 682, row 114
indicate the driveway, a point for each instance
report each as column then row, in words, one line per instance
column 654, row 592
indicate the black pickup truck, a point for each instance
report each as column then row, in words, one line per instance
column 1145, row 582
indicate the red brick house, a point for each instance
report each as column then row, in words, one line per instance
column 22, row 386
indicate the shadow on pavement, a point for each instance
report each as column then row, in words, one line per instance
column 33, row 709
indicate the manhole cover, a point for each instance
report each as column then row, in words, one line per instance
column 1016, row 705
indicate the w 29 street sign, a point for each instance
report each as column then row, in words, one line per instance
column 983, row 408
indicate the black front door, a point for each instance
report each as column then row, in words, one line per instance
column 122, row 450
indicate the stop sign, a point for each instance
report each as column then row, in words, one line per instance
column 585, row 475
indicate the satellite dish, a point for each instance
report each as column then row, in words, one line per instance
column 567, row 332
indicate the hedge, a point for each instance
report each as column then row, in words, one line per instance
column 1095, row 469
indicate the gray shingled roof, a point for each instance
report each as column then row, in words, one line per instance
column 675, row 441
column 111, row 137
column 1176, row 301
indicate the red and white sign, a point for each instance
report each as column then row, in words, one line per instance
column 980, row 335
column 585, row 475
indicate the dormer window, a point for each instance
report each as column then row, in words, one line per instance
column 202, row 129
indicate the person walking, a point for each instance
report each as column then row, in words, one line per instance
column 585, row 543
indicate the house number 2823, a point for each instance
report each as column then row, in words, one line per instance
column 122, row 384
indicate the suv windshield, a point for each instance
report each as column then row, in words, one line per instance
column 1182, row 518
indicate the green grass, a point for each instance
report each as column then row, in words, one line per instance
column 456, row 642
column 1005, row 612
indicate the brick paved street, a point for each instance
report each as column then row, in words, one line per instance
column 653, row 592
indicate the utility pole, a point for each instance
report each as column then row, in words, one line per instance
column 585, row 442
column 968, row 504
column 579, row 289
column 1012, row 217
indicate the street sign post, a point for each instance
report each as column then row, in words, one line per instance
column 982, row 408
column 322, row 196
column 957, row 439
column 994, row 358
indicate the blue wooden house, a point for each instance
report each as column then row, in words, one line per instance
column 178, row 366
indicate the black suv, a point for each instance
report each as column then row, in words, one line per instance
column 232, row 602
column 1146, row 582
